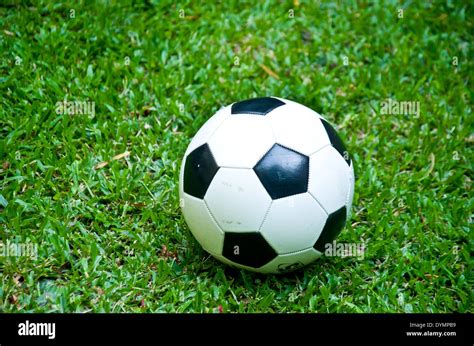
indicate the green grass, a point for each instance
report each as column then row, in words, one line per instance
column 156, row 78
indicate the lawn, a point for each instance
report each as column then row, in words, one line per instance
column 97, row 193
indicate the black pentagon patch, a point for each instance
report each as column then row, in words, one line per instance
column 259, row 106
column 249, row 249
column 334, row 225
column 199, row 169
column 336, row 141
column 283, row 172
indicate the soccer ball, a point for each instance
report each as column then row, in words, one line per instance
column 265, row 184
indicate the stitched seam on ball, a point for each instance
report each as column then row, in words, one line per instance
column 319, row 203
column 349, row 192
column 265, row 153
column 265, row 217
column 257, row 113
column 273, row 130
column 213, row 217
column 229, row 167
column 226, row 116
column 294, row 252
column 293, row 150
column 309, row 177
column 318, row 150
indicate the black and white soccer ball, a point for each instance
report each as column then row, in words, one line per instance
column 265, row 184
